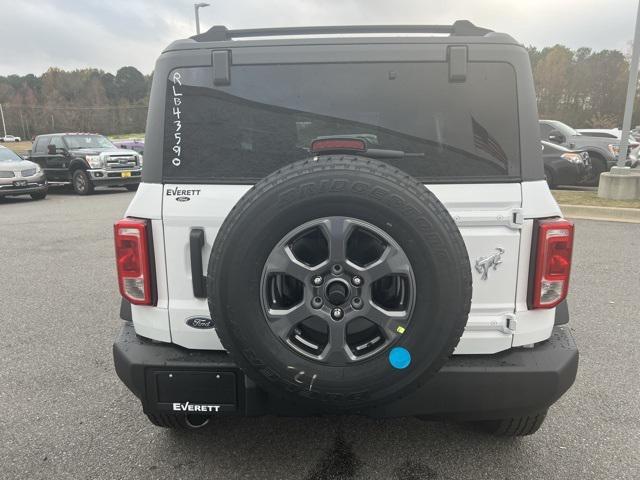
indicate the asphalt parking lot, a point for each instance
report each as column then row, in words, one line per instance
column 65, row 414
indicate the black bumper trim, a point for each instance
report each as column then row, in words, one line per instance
column 14, row 191
column 116, row 181
column 562, row 313
column 125, row 310
column 469, row 387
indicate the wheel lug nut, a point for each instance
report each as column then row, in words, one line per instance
column 317, row 280
column 337, row 313
column 356, row 281
column 316, row 302
column 356, row 303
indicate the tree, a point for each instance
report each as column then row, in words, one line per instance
column 582, row 88
column 130, row 84
column 551, row 78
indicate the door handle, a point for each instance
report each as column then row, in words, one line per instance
column 198, row 280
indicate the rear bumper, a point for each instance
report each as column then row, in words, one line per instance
column 475, row 387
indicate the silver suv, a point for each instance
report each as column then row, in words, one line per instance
column 20, row 177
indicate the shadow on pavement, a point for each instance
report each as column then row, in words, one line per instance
column 62, row 190
column 324, row 448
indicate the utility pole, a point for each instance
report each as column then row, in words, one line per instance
column 196, row 7
column 24, row 132
column 631, row 94
column 4, row 127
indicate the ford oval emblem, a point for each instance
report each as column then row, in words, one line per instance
column 201, row 323
column 182, row 199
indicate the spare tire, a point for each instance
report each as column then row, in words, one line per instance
column 339, row 281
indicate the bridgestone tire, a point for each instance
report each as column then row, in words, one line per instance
column 369, row 191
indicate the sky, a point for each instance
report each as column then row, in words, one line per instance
column 108, row 34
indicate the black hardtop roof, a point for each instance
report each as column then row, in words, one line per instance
column 462, row 30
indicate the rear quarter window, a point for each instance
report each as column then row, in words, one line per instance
column 41, row 145
column 269, row 114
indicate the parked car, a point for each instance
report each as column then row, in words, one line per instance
column 602, row 150
column 603, row 132
column 615, row 133
column 563, row 166
column 135, row 144
column 86, row 160
column 10, row 138
column 20, row 177
column 317, row 249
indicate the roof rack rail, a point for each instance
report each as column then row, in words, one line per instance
column 220, row 33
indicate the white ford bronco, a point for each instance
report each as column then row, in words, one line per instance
column 345, row 220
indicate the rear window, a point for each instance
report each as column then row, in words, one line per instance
column 269, row 115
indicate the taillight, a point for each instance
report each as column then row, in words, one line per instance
column 338, row 144
column 133, row 260
column 553, row 262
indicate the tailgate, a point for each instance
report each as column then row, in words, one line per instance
column 489, row 217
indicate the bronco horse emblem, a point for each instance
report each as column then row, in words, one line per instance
column 483, row 264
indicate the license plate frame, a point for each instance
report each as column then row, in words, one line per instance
column 20, row 183
column 125, row 174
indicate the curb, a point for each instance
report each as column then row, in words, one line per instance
column 610, row 214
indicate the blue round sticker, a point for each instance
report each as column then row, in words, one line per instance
column 399, row 358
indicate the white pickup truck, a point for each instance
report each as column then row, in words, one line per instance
column 10, row 138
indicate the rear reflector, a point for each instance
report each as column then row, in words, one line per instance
column 133, row 260
column 338, row 144
column 553, row 262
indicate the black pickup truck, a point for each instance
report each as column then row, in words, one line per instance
column 86, row 160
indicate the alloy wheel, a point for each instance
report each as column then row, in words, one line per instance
column 338, row 290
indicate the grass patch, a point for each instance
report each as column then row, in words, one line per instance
column 591, row 199
column 19, row 147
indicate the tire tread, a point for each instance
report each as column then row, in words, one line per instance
column 515, row 426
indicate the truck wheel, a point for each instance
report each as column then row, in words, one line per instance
column 514, row 427
column 340, row 282
column 132, row 187
column 39, row 195
column 81, row 182
column 178, row 422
